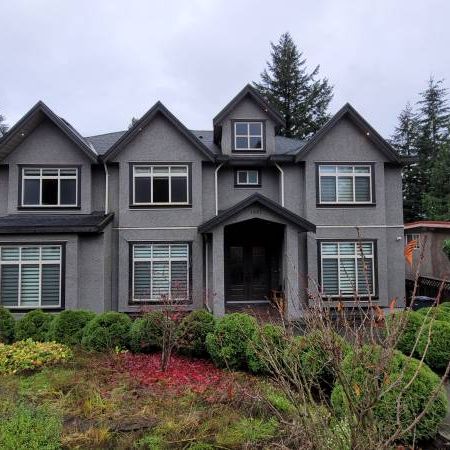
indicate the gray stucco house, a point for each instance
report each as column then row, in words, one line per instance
column 209, row 218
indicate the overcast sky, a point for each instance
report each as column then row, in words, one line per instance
column 97, row 63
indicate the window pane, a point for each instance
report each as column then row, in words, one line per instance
column 142, row 280
column 49, row 192
column 362, row 189
column 330, row 249
column 330, row 276
column 51, row 253
column 142, row 170
column 365, row 276
column 328, row 189
column 142, row 190
column 160, row 251
column 9, row 286
column 179, row 283
column 31, row 192
column 161, row 170
column 68, row 192
column 242, row 142
column 345, row 189
column 29, row 285
column 179, row 251
column 255, row 142
column 347, row 248
column 160, row 275
column 179, row 189
column 142, row 251
column 178, row 170
column 32, row 172
column 242, row 177
column 345, row 169
column 10, row 254
column 160, row 190
column 30, row 253
column 362, row 169
column 68, row 172
column 347, row 276
column 50, row 285
column 327, row 169
column 241, row 128
column 253, row 177
column 255, row 129
column 50, row 172
column 365, row 249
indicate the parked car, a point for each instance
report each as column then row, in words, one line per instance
column 422, row 301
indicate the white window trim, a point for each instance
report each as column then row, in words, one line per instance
column 58, row 177
column 152, row 176
column 357, row 256
column 347, row 175
column 248, row 135
column 40, row 262
column 168, row 259
column 247, row 183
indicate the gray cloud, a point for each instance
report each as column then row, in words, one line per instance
column 98, row 63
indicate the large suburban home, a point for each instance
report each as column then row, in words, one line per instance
column 216, row 218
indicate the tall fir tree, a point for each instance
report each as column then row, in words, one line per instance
column 3, row 126
column 300, row 96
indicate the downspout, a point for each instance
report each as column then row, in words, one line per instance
column 281, row 182
column 106, row 188
column 216, row 188
column 208, row 308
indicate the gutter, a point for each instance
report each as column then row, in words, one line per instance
column 281, row 182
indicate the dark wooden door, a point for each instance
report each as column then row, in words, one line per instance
column 247, row 273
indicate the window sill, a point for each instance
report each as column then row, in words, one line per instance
column 159, row 302
column 18, row 309
column 345, row 205
column 160, row 206
column 248, row 186
column 48, row 208
column 234, row 150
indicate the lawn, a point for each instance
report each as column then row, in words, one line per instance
column 124, row 401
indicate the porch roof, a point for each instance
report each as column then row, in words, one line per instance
column 272, row 206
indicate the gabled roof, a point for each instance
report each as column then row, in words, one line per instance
column 347, row 111
column 157, row 108
column 31, row 120
column 263, row 201
column 257, row 97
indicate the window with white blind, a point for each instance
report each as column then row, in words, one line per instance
column 30, row 276
column 345, row 184
column 347, row 268
column 160, row 272
column 159, row 185
column 49, row 187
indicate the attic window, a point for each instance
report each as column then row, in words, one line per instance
column 248, row 136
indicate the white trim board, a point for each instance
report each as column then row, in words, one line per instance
column 154, row 228
column 359, row 226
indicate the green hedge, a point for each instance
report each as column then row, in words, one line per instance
column 359, row 369
column 7, row 326
column 68, row 326
column 107, row 331
column 228, row 343
column 191, row 336
column 146, row 332
column 437, row 313
column 409, row 322
column 437, row 356
column 34, row 325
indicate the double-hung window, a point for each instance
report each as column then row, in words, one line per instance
column 347, row 268
column 248, row 136
column 30, row 276
column 345, row 184
column 161, row 185
column 160, row 272
column 49, row 187
column 247, row 177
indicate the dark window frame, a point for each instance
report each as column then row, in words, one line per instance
column 247, row 186
column 131, row 302
column 21, row 206
column 132, row 205
column 371, row 204
column 248, row 151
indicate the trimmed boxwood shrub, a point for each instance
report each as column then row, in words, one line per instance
column 7, row 325
column 192, row 333
column 34, row 325
column 227, row 344
column 438, row 353
column 437, row 313
column 445, row 304
column 68, row 326
column 146, row 333
column 359, row 371
column 410, row 321
column 107, row 331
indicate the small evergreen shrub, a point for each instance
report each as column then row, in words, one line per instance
column 146, row 333
column 107, row 331
column 34, row 325
column 360, row 372
column 191, row 336
column 410, row 323
column 228, row 343
column 445, row 305
column 436, row 313
column 68, row 326
column 7, row 325
column 268, row 339
column 438, row 353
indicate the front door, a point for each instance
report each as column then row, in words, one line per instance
column 247, row 273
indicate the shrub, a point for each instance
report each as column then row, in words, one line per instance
column 30, row 428
column 29, row 355
column 438, row 353
column 34, row 325
column 192, row 333
column 437, row 313
column 408, row 323
column 445, row 304
column 268, row 339
column 107, row 331
column 247, row 431
column 228, row 343
column 359, row 370
column 7, row 325
column 146, row 333
column 68, row 326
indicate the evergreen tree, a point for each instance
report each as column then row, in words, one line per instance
column 300, row 96
column 3, row 126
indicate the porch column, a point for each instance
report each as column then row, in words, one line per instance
column 291, row 273
column 218, row 278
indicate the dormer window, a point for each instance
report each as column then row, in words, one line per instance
column 248, row 136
